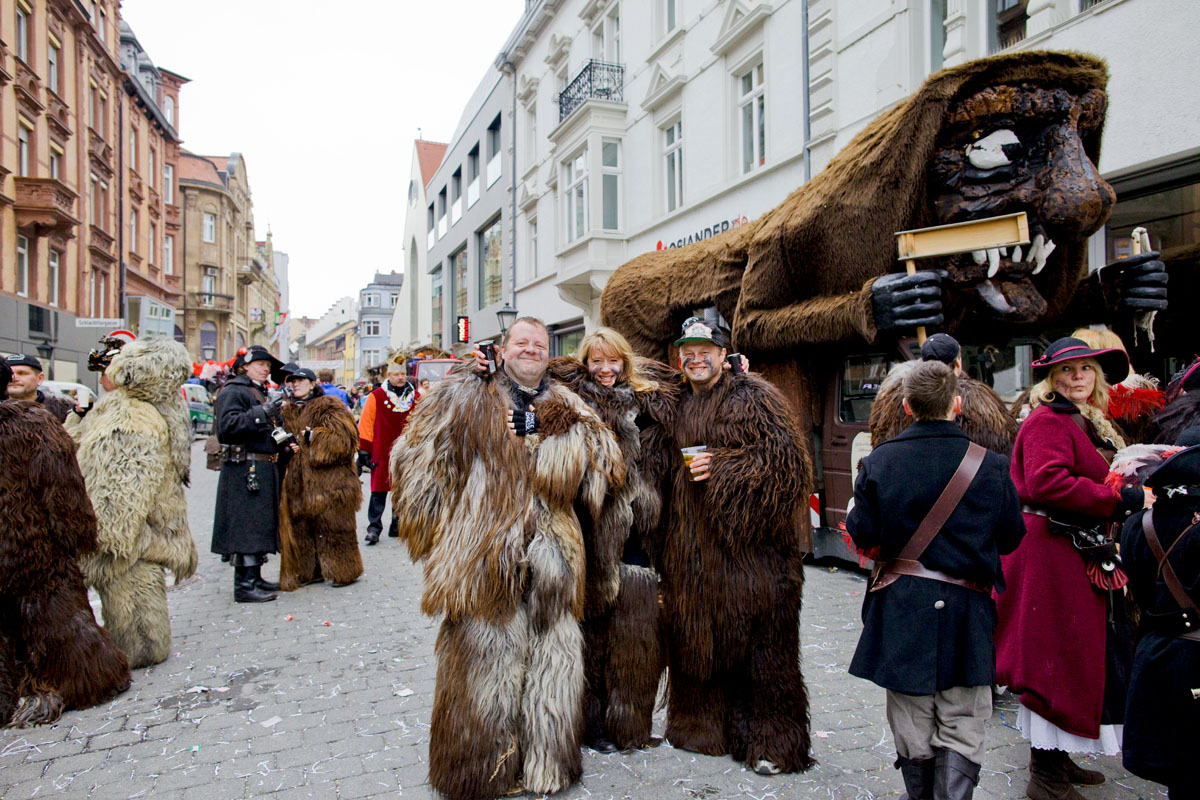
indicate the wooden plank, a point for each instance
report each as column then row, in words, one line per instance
column 1008, row 230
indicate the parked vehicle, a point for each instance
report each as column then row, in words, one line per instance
column 200, row 408
column 432, row 368
column 76, row 391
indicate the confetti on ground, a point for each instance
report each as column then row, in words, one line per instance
column 272, row 722
column 326, row 624
column 404, row 693
column 289, row 618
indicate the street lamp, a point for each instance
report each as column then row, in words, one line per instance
column 506, row 316
column 46, row 350
column 208, row 351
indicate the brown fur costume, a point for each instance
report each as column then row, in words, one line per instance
column 135, row 455
column 984, row 419
column 802, row 273
column 732, row 579
column 494, row 517
column 321, row 494
column 53, row 655
column 623, row 651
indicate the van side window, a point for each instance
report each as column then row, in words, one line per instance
column 861, row 379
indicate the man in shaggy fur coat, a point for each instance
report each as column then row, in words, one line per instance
column 731, row 567
column 53, row 655
column 321, row 492
column 135, row 454
column 488, row 481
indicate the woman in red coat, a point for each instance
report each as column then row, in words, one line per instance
column 1051, row 636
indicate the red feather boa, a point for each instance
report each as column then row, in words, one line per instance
column 1125, row 403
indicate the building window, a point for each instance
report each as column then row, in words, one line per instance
column 456, row 196
column 100, row 27
column 606, row 37
column 153, row 240
column 133, row 230
column 752, row 107
column 473, row 176
column 670, row 15
column 370, row 327
column 491, row 258
column 93, row 106
column 24, row 15
column 210, row 227
column 22, row 266
column 370, row 300
column 566, row 342
column 937, row 34
column 610, row 184
column 169, row 109
column 441, row 213
column 168, row 255
column 393, row 298
column 531, row 136
column 494, row 146
column 133, row 148
column 459, row 264
column 575, row 182
column 533, row 247
column 673, row 158
column 153, row 167
column 436, row 281
column 56, row 158
column 97, row 294
column 168, row 184
column 429, row 237
column 24, row 150
column 53, row 277
column 98, row 205
column 370, row 358
column 1008, row 24
column 52, row 66
column 208, row 287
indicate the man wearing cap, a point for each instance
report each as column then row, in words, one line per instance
column 27, row 378
column 246, row 526
column 732, row 571
column 983, row 417
column 383, row 418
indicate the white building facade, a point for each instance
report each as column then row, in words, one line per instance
column 412, row 320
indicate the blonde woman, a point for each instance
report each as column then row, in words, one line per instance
column 1054, row 644
column 623, row 656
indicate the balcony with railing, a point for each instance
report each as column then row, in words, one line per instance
column 598, row 80
column 209, row 301
column 45, row 206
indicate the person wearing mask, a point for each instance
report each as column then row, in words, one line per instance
column 27, row 379
column 928, row 617
column 321, row 492
column 249, row 429
column 1063, row 605
column 383, row 418
column 736, row 510
column 492, row 483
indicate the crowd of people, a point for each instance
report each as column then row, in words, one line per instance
column 589, row 523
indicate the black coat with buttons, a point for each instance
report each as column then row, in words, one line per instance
column 922, row 636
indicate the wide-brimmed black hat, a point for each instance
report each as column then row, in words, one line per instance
column 1181, row 469
column 256, row 352
column 1112, row 361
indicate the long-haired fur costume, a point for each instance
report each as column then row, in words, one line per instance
column 135, row 454
column 321, row 494
column 984, row 419
column 623, row 651
column 494, row 517
column 53, row 655
column 732, row 578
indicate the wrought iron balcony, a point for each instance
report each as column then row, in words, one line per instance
column 598, row 80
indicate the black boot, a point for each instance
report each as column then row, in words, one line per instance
column 244, row 588
column 372, row 538
column 261, row 582
column 394, row 529
column 917, row 774
column 954, row 775
column 1048, row 777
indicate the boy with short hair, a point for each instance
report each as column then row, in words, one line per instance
column 929, row 615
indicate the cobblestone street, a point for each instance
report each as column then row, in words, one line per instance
column 327, row 693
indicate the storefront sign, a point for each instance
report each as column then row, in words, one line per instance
column 706, row 232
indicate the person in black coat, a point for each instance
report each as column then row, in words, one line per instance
column 1162, row 712
column 246, row 525
column 927, row 641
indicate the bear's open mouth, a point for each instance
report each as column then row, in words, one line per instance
column 1001, row 277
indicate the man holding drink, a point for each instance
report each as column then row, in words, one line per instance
column 732, row 570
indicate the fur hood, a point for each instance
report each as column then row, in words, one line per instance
column 151, row 369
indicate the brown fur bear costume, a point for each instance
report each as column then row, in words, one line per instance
column 321, row 494
column 495, row 518
column 53, row 655
column 802, row 274
column 135, row 455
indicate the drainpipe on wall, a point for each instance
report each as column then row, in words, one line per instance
column 805, row 93
column 511, row 70
column 183, row 213
column 121, row 211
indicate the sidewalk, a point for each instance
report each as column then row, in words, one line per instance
column 326, row 693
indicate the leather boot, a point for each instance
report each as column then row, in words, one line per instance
column 917, row 774
column 244, row 590
column 954, row 775
column 261, row 582
column 1048, row 777
column 394, row 529
column 1077, row 774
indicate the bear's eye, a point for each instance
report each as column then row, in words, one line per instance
column 995, row 150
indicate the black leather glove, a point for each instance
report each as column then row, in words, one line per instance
column 1133, row 499
column 271, row 407
column 901, row 301
column 1143, row 285
column 364, row 461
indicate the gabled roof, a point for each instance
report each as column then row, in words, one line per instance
column 429, row 155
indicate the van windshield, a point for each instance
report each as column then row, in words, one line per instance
column 861, row 379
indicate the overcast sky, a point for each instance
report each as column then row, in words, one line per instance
column 324, row 101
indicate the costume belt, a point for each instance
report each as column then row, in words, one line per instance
column 903, row 566
column 1028, row 509
column 272, row 457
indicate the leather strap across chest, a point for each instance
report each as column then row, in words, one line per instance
column 1191, row 614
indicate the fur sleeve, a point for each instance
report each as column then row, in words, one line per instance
column 122, row 467
column 334, row 437
column 769, row 476
column 821, row 320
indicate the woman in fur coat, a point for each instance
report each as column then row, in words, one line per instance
column 321, row 491
column 53, row 655
column 135, row 454
column 494, row 516
column 623, row 650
